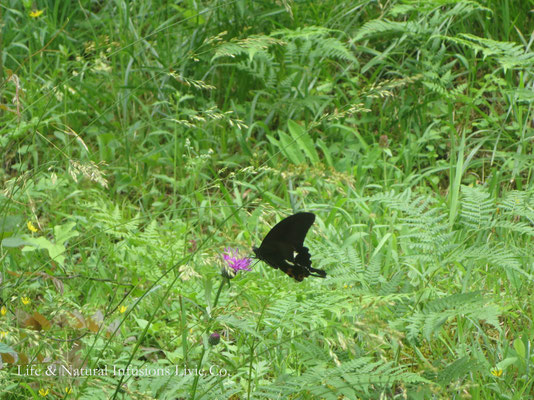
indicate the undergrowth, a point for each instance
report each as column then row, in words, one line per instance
column 142, row 139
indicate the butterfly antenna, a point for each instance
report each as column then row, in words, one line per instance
column 257, row 261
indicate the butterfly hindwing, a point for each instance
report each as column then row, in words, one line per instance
column 283, row 247
column 303, row 257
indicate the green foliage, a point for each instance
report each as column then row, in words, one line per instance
column 435, row 313
column 140, row 139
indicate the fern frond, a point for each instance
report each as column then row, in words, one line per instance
column 250, row 46
column 458, row 369
column 307, row 33
column 343, row 264
column 508, row 54
column 498, row 256
column 477, row 208
column 519, row 227
column 373, row 271
column 332, row 48
column 382, row 26
column 519, row 203
column 435, row 313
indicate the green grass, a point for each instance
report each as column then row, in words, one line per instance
column 141, row 139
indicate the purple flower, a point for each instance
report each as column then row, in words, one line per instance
column 214, row 339
column 234, row 263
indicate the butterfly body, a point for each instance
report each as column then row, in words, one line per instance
column 283, row 247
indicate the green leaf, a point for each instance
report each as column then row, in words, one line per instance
column 15, row 241
column 64, row 232
column 303, row 140
column 55, row 251
column 8, row 223
column 520, row 348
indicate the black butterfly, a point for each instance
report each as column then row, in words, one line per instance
column 283, row 247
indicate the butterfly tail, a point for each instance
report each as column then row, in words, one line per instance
column 317, row 272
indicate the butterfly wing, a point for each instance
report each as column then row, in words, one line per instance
column 283, row 247
column 291, row 230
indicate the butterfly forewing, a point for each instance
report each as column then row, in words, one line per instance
column 291, row 230
column 283, row 247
